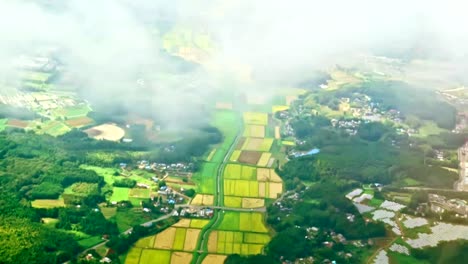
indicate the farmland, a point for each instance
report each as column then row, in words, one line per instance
column 258, row 144
column 264, row 159
column 172, row 245
column 254, row 131
column 120, row 194
column 73, row 112
column 47, row 203
column 255, row 118
column 79, row 122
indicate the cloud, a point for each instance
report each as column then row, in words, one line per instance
column 109, row 44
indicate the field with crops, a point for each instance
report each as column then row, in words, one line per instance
column 255, row 118
column 173, row 245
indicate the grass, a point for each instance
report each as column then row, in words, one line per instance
column 155, row 256
column 48, row 203
column 120, row 194
column 411, row 182
column 255, row 118
column 108, row 212
column 375, row 202
column 107, row 173
column 140, row 193
column 54, row 128
column 74, row 111
column 126, row 219
column 210, row 156
column 399, row 258
column 3, row 123
column 429, row 128
column 89, row 242
column 205, row 178
column 50, row 222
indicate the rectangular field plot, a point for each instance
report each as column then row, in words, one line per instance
column 155, row 256
column 214, row 259
column 254, row 131
column 48, row 203
column 249, row 157
column 241, row 188
column 255, row 118
column 191, row 238
column 239, row 172
column 165, row 239
column 198, row 223
column 268, row 175
column 79, row 122
column 235, row 155
column 119, row 194
column 277, row 108
column 264, row 159
column 203, row 199
column 181, row 258
column 139, row 193
column 229, row 242
column 252, row 222
column 230, row 201
column 179, row 239
column 252, row 202
column 133, row 256
column 269, row 189
column 258, row 144
column 206, row 178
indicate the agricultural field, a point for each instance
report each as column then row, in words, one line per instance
column 277, row 108
column 255, row 118
column 231, row 242
column 79, row 122
column 108, row 212
column 73, row 111
column 214, row 259
column 205, row 178
column 203, row 199
column 264, row 159
column 268, row 175
column 109, row 132
column 277, row 132
column 254, row 131
column 239, row 172
column 249, row 157
column 54, row 128
column 235, row 155
column 172, row 245
column 210, row 155
column 17, row 123
column 48, row 203
column 258, row 144
column 120, row 194
column 243, row 221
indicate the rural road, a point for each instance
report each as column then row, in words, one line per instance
column 259, row 209
column 126, row 232
column 219, row 196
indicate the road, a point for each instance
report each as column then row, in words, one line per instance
column 259, row 209
column 126, row 232
column 219, row 196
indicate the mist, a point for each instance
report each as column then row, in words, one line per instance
column 106, row 46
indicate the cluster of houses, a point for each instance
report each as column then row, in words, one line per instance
column 349, row 126
column 180, row 167
column 39, row 102
column 197, row 212
column 440, row 204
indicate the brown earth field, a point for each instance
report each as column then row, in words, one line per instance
column 79, row 122
column 17, row 123
column 249, row 157
column 240, row 143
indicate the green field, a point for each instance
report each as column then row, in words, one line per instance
column 3, row 123
column 256, row 144
column 210, row 155
column 206, row 177
column 48, row 203
column 54, row 128
column 235, row 155
column 50, row 222
column 82, row 189
column 155, row 256
column 198, row 223
column 241, row 188
column 140, row 193
column 108, row 212
column 107, row 173
column 179, row 239
column 120, row 194
column 133, row 256
column 255, row 118
column 74, row 111
column 256, row 238
column 240, row 172
column 252, row 222
column 230, row 201
column 230, row 221
column 89, row 242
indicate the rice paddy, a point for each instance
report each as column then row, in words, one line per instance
column 258, row 144
column 255, row 118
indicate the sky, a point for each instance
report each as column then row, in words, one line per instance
column 109, row 44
